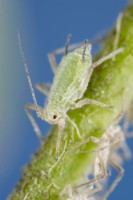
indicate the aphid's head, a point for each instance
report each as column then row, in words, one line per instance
column 52, row 117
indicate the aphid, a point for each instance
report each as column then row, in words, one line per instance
column 71, row 79
column 108, row 145
column 69, row 194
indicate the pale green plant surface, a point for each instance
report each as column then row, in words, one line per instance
column 110, row 83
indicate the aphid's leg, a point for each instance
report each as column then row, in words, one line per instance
column 44, row 88
column 121, row 140
column 103, row 169
column 29, row 107
column 97, row 63
column 107, row 57
column 122, row 135
column 117, row 119
column 73, row 123
column 118, row 29
column 101, row 176
column 25, row 197
column 87, row 101
column 52, row 61
column 89, row 139
column 93, row 181
column 116, row 181
column 58, row 159
column 61, row 126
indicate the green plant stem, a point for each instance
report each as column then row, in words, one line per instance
column 45, row 177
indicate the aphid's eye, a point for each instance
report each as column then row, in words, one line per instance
column 55, row 117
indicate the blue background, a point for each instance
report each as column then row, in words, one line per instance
column 43, row 26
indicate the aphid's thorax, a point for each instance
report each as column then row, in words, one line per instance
column 68, row 84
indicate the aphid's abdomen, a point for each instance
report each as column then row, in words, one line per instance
column 67, row 86
column 70, row 74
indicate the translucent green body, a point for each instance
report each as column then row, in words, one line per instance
column 68, row 85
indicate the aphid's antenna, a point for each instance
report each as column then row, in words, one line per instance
column 67, row 43
column 27, row 73
column 86, row 42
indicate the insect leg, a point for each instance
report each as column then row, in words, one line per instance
column 73, row 123
column 61, row 126
column 25, row 197
column 87, row 101
column 116, row 181
column 107, row 57
column 89, row 139
column 99, row 175
column 93, row 181
column 105, row 172
column 52, row 60
column 58, row 159
column 97, row 63
column 100, row 162
column 120, row 135
column 44, row 88
column 29, row 107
